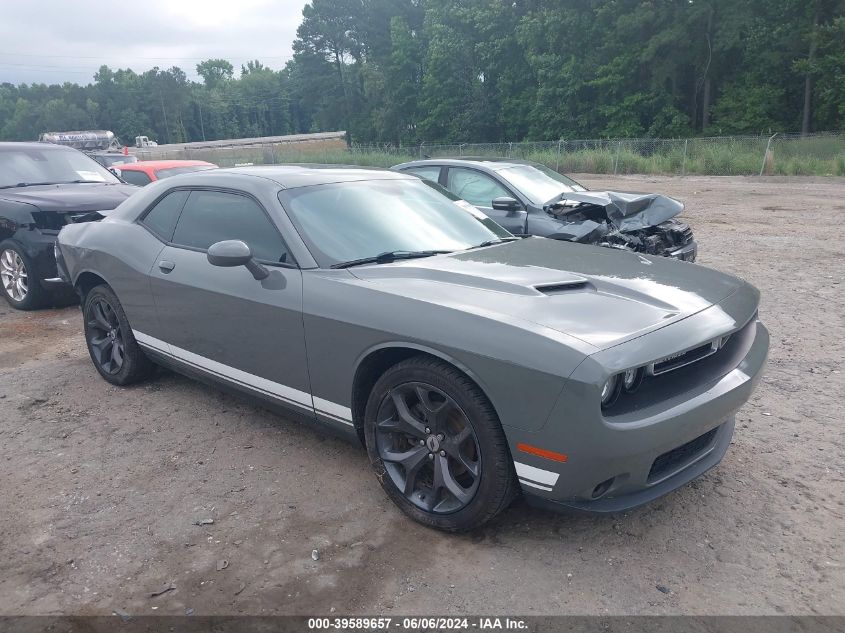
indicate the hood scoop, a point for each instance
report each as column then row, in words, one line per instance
column 557, row 288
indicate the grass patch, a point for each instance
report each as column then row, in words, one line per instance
column 733, row 156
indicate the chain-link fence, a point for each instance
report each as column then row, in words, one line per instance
column 815, row 154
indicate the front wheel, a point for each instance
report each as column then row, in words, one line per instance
column 18, row 282
column 111, row 343
column 437, row 446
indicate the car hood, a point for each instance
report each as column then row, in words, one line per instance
column 72, row 198
column 628, row 211
column 600, row 296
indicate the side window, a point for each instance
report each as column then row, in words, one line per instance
column 429, row 173
column 135, row 178
column 161, row 219
column 474, row 187
column 214, row 216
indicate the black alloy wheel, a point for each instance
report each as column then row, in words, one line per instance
column 105, row 337
column 428, row 447
column 111, row 343
column 437, row 446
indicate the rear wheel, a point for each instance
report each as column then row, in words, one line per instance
column 19, row 285
column 437, row 446
column 111, row 343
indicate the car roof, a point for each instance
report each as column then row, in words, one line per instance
column 493, row 163
column 143, row 165
column 302, row 175
column 43, row 145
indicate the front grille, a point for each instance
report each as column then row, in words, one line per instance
column 686, row 372
column 679, row 360
column 672, row 460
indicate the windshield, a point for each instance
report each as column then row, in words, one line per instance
column 23, row 165
column 175, row 171
column 342, row 222
column 540, row 184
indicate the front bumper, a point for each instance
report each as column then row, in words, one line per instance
column 617, row 464
column 696, row 464
column 40, row 248
column 687, row 253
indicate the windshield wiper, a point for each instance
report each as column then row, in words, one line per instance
column 387, row 257
column 28, row 184
column 498, row 240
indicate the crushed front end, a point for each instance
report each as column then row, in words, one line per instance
column 643, row 223
column 672, row 238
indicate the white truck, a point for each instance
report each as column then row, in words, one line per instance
column 101, row 145
column 144, row 141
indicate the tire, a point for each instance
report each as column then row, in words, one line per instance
column 456, row 482
column 111, row 344
column 20, row 287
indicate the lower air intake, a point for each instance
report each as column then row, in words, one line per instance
column 677, row 458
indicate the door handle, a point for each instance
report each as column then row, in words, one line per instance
column 166, row 266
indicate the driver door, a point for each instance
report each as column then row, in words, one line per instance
column 222, row 320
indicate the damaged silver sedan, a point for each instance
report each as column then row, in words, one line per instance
column 530, row 199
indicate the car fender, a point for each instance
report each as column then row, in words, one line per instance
column 425, row 349
column 14, row 216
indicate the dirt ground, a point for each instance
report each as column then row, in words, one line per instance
column 100, row 487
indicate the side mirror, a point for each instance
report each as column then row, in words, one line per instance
column 117, row 172
column 506, row 203
column 231, row 253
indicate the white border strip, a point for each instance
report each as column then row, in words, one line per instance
column 326, row 408
column 149, row 341
column 546, row 477
column 334, row 418
column 525, row 482
column 332, row 409
column 274, row 388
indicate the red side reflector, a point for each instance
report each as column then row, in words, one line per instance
column 541, row 452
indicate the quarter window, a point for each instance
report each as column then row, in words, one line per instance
column 429, row 173
column 214, row 216
column 475, row 187
column 161, row 219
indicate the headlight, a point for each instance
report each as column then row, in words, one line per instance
column 628, row 380
column 610, row 391
column 632, row 378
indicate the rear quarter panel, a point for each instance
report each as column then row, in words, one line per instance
column 122, row 254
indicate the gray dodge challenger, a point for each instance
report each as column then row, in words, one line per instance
column 471, row 364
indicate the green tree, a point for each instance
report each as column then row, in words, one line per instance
column 215, row 71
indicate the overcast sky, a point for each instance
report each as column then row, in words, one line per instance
column 53, row 41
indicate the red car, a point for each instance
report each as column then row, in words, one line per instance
column 146, row 171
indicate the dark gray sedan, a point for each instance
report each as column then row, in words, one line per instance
column 529, row 198
column 471, row 364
